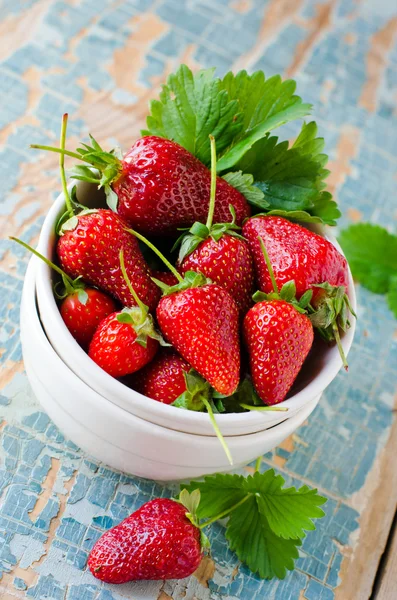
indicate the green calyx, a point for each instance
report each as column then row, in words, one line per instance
column 191, row 501
column 199, row 232
column 68, row 286
column 198, row 397
column 190, row 280
column 104, row 167
column 332, row 314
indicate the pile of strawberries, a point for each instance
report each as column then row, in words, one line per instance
column 194, row 332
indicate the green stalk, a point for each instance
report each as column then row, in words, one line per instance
column 216, row 429
column 139, row 302
column 268, row 264
column 62, row 166
column 211, row 208
column 158, row 253
column 59, row 151
column 258, row 464
column 335, row 329
column 65, row 277
column 264, row 408
column 224, row 513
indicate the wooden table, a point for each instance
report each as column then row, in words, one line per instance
column 101, row 61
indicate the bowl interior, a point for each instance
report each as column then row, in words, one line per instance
column 319, row 370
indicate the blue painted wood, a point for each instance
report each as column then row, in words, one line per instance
column 71, row 53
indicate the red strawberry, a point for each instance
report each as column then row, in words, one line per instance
column 166, row 277
column 83, row 314
column 114, row 347
column 160, row 185
column 82, row 308
column 295, row 254
column 226, row 262
column 278, row 339
column 90, row 247
column 125, row 341
column 218, row 251
column 202, row 324
column 164, row 378
column 156, row 542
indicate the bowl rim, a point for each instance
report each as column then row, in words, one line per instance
column 124, row 396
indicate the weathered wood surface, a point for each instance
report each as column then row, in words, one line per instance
column 387, row 583
column 102, row 61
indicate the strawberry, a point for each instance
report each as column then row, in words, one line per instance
column 115, row 348
column 278, row 336
column 82, row 315
column 158, row 186
column 90, row 247
column 278, row 339
column 295, row 254
column 82, row 307
column 202, row 325
column 157, row 541
column 164, row 378
column 125, row 341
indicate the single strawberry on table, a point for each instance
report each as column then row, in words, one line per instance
column 82, row 307
column 127, row 340
column 158, row 186
column 157, row 541
column 278, row 336
column 218, row 251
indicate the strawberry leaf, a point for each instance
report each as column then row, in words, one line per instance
column 250, row 536
column 372, row 254
column 243, row 182
column 392, row 296
column 292, row 178
column 191, row 107
column 265, row 104
column 237, row 111
column 288, row 511
column 218, row 493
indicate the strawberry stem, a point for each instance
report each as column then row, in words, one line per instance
column 224, row 513
column 68, row 281
column 335, row 329
column 68, row 202
column 264, row 408
column 258, row 463
column 216, row 428
column 158, row 253
column 268, row 264
column 139, row 302
column 59, row 151
column 211, row 208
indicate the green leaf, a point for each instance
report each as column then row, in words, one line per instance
column 243, row 182
column 255, row 544
column 392, row 296
column 191, row 107
column 292, row 178
column 372, row 254
column 238, row 111
column 218, row 493
column 82, row 296
column 264, row 104
column 289, row 511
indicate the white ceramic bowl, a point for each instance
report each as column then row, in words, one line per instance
column 116, row 436
column 324, row 366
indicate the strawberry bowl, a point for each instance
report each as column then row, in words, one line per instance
column 117, row 436
column 324, row 364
